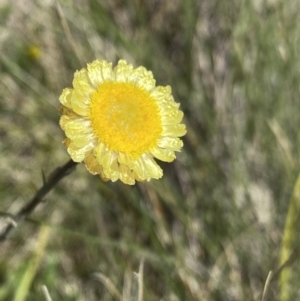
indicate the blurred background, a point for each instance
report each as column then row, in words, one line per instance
column 226, row 211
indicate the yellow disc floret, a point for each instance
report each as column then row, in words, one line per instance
column 125, row 118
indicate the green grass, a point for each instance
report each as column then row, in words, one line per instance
column 213, row 227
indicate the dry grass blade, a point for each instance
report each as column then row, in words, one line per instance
column 68, row 33
column 266, row 287
column 283, row 141
column 109, row 285
column 140, row 281
column 46, row 293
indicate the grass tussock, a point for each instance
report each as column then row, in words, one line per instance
column 214, row 226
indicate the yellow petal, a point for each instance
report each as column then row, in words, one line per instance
column 65, row 97
column 78, row 154
column 146, row 168
column 174, row 130
column 142, row 78
column 94, row 73
column 78, row 130
column 100, row 71
column 82, row 93
column 108, row 160
column 78, row 125
column 163, row 154
column 126, row 175
column 173, row 117
column 99, row 152
column 155, row 171
column 83, row 139
column 82, row 85
column 160, row 92
column 124, row 159
column 110, row 166
column 63, row 120
column 138, row 178
column 106, row 71
column 122, row 70
column 170, row 143
column 165, row 101
column 82, row 81
column 167, row 108
column 80, row 103
column 92, row 165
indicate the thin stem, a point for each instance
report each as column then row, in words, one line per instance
column 48, row 185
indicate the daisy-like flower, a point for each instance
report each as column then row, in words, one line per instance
column 117, row 121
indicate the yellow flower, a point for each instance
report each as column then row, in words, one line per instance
column 34, row 52
column 116, row 121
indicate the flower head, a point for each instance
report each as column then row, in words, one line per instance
column 116, row 121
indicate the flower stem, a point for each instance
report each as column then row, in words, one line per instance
column 28, row 208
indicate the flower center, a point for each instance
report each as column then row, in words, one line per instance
column 125, row 118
